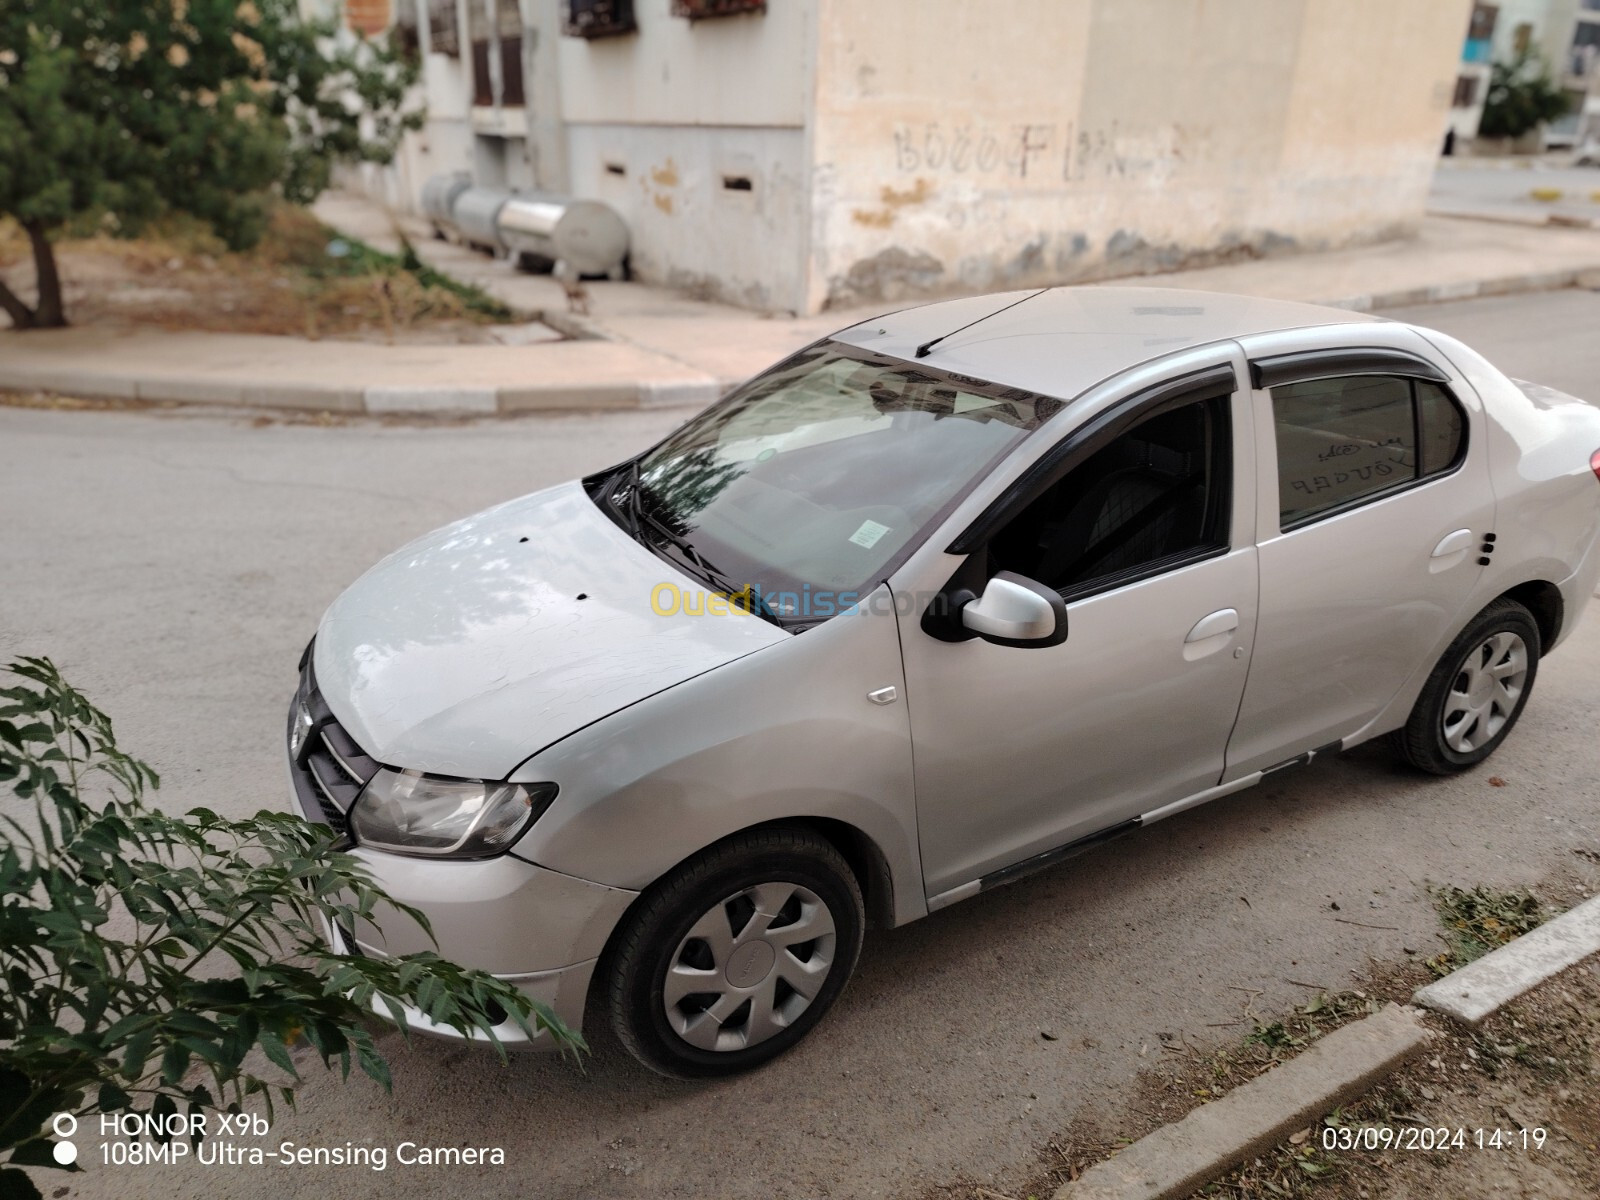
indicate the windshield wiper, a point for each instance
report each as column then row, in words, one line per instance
column 641, row 518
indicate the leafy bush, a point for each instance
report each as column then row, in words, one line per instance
column 1480, row 920
column 145, row 958
column 1521, row 97
column 145, row 107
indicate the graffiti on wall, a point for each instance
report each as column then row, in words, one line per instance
column 1046, row 151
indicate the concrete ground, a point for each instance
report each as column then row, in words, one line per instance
column 732, row 344
column 660, row 348
column 175, row 563
column 1470, row 188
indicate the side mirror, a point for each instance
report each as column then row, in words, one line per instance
column 1017, row 611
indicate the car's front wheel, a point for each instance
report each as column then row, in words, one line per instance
column 1476, row 692
column 731, row 958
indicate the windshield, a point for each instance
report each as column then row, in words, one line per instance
column 810, row 480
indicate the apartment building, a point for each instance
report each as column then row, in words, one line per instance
column 798, row 154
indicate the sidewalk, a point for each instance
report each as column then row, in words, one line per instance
column 649, row 347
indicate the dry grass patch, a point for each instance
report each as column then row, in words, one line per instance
column 303, row 279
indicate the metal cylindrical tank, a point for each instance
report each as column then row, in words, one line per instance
column 475, row 212
column 439, row 196
column 586, row 235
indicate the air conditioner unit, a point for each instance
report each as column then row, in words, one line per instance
column 598, row 18
column 697, row 10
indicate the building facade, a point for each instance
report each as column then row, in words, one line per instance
column 801, row 154
column 1565, row 37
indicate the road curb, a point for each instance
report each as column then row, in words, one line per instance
column 1177, row 1159
column 374, row 400
column 1481, row 988
column 1504, row 285
column 1532, row 220
column 661, row 382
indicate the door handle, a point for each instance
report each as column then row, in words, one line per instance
column 1224, row 620
column 1452, row 549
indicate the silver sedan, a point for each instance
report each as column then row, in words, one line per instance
column 938, row 601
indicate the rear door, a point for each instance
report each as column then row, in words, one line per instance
column 1375, row 514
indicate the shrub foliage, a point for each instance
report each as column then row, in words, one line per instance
column 160, row 964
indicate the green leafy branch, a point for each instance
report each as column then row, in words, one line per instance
column 147, row 958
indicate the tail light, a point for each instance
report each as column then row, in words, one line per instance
column 1594, row 463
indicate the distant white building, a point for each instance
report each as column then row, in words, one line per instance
column 1564, row 33
column 797, row 154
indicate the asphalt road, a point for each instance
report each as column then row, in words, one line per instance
column 174, row 565
column 1507, row 191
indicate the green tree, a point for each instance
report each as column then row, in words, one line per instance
column 126, row 109
column 1522, row 96
column 160, row 964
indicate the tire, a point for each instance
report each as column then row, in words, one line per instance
column 704, row 923
column 1476, row 692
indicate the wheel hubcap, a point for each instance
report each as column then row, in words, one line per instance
column 1487, row 686
column 749, row 967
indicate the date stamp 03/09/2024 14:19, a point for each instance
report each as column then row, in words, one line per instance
column 1431, row 1137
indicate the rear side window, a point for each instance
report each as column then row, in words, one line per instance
column 1348, row 439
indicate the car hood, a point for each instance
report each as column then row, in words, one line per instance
column 470, row 649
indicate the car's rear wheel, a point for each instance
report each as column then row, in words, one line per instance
column 1476, row 692
column 731, row 959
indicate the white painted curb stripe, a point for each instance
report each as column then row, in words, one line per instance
column 1481, row 988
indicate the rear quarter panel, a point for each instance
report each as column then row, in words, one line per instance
column 1548, row 499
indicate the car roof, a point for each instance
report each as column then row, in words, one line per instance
column 1062, row 341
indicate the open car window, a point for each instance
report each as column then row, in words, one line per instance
column 1156, row 495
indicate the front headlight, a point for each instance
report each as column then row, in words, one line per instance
column 412, row 813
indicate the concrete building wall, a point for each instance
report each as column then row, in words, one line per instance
column 1369, row 100
column 688, row 229
column 695, row 133
column 744, row 70
column 1096, row 137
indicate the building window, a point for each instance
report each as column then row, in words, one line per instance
column 1522, row 39
column 444, row 35
column 1480, row 33
column 1466, row 91
column 496, row 30
column 1585, row 50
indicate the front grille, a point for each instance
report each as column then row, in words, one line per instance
column 331, row 769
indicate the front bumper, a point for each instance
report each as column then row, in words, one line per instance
column 563, row 990
column 536, row 928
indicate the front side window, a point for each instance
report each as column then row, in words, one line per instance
column 1155, row 495
column 817, row 475
column 1344, row 440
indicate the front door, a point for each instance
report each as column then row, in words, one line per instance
column 1022, row 750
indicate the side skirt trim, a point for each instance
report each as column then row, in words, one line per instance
column 1050, row 858
column 1199, row 798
